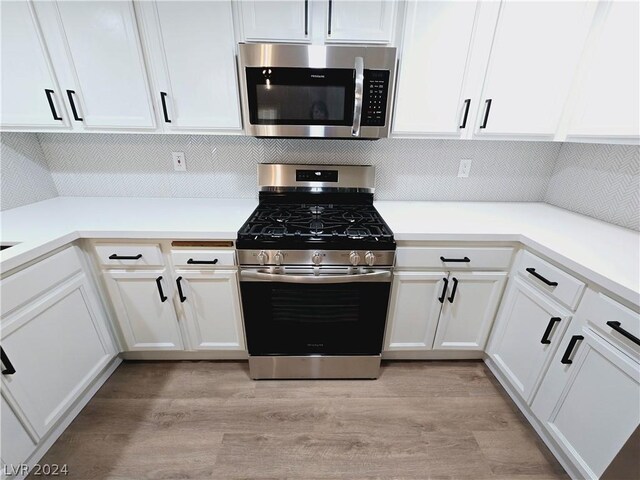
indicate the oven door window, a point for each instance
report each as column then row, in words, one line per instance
column 300, row 96
column 299, row 319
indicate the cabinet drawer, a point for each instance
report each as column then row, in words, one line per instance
column 202, row 258
column 453, row 258
column 555, row 282
column 614, row 322
column 131, row 255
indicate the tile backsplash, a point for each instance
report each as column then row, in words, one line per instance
column 602, row 181
column 225, row 166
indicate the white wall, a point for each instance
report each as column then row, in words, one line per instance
column 24, row 175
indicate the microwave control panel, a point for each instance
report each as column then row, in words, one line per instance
column 374, row 102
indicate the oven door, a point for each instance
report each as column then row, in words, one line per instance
column 303, row 313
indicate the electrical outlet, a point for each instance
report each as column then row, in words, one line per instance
column 465, row 168
column 179, row 163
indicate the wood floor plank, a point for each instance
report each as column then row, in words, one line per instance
column 440, row 420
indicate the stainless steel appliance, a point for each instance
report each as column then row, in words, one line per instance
column 315, row 273
column 317, row 90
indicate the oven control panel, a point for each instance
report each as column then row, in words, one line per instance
column 374, row 102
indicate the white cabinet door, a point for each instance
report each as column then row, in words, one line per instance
column 591, row 406
column 414, row 310
column 211, row 303
column 535, row 54
column 608, row 104
column 274, row 20
column 361, row 21
column 57, row 347
column 31, row 96
column 191, row 47
column 143, row 308
column 527, row 332
column 468, row 312
column 110, row 81
column 16, row 444
column 433, row 67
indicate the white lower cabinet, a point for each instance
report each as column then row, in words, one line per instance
column 468, row 313
column 211, row 309
column 527, row 332
column 414, row 310
column 589, row 401
column 145, row 312
column 441, row 310
column 16, row 445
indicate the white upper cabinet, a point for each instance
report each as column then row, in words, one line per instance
column 191, row 50
column 107, row 85
column 608, row 102
column 274, row 20
column 430, row 96
column 534, row 58
column 362, row 21
column 31, row 96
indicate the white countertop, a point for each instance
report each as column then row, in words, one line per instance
column 603, row 253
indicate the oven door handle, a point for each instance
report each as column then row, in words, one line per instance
column 357, row 106
column 374, row 276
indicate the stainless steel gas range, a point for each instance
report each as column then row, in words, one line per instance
column 315, row 273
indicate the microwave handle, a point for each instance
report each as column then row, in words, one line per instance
column 357, row 107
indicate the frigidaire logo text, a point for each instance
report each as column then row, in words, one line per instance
column 315, row 344
column 317, row 76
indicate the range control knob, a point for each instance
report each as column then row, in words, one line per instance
column 316, row 258
column 370, row 258
column 278, row 257
column 262, row 257
column 354, row 258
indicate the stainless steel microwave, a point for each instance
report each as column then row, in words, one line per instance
column 316, row 90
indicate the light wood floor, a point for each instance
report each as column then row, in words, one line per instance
column 448, row 420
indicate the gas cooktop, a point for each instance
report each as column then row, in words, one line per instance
column 311, row 225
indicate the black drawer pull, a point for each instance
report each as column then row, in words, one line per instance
column 115, row 256
column 48, row 92
column 180, row 294
column 70, row 94
column 618, row 328
column 163, row 97
column 572, row 344
column 8, row 370
column 191, row 261
column 545, row 336
column 467, row 104
column 453, row 290
column 163, row 297
column 533, row 272
column 486, row 113
column 444, row 290
column 455, row 260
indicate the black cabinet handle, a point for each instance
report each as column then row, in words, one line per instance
column 180, row 294
column 191, row 261
column 163, row 297
column 455, row 260
column 306, row 17
column 163, row 97
column 572, row 344
column 453, row 290
column 329, row 25
column 52, row 106
column 547, row 332
column 617, row 326
column 115, row 256
column 70, row 94
column 467, row 103
column 444, row 290
column 8, row 370
column 533, row 272
column 486, row 113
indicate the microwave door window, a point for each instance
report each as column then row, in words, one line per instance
column 301, row 104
